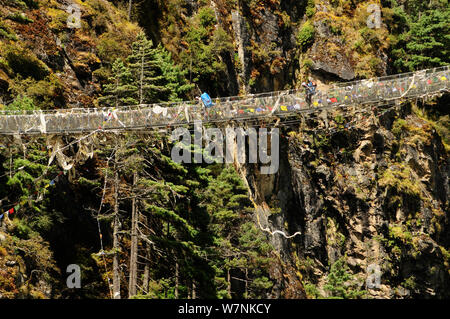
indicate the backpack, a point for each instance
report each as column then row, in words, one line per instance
column 311, row 87
column 206, row 100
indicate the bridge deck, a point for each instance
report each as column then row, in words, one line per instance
column 384, row 90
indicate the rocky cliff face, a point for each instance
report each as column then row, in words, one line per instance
column 43, row 58
column 274, row 44
column 373, row 196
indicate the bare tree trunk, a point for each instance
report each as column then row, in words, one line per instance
column 132, row 288
column 188, row 291
column 176, row 277
column 10, row 163
column 147, row 262
column 116, row 97
column 193, row 289
column 229, row 282
column 246, row 283
column 146, row 270
column 141, row 97
column 116, row 270
column 130, row 4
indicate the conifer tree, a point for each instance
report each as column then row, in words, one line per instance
column 242, row 250
column 174, row 74
column 420, row 34
column 148, row 76
column 120, row 89
column 28, row 183
column 428, row 41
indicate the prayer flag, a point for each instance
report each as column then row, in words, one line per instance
column 283, row 108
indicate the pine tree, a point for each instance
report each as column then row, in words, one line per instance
column 120, row 89
column 242, row 250
column 28, row 183
column 166, row 200
column 428, row 41
column 420, row 35
column 165, row 195
column 144, row 62
column 175, row 76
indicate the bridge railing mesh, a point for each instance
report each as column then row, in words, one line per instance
column 377, row 90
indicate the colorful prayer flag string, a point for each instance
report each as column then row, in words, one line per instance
column 17, row 206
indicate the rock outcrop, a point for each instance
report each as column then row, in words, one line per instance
column 371, row 197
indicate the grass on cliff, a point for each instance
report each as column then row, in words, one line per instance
column 400, row 178
column 351, row 36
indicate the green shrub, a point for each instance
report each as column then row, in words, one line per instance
column 23, row 4
column 311, row 291
column 310, row 9
column 305, row 36
column 58, row 19
column 6, row 32
column 21, row 229
column 336, row 30
column 399, row 126
column 308, row 63
column 206, row 16
column 400, row 234
column 400, row 179
column 25, row 63
column 410, row 283
column 341, row 283
column 20, row 17
column 110, row 47
column 45, row 93
column 21, row 103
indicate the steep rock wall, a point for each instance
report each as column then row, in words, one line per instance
column 373, row 195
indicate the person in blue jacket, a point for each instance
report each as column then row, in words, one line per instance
column 310, row 90
column 207, row 103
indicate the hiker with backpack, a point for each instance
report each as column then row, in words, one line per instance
column 207, row 103
column 310, row 90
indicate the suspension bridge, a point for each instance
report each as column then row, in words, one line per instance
column 388, row 90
